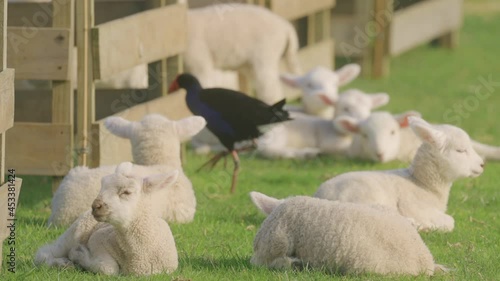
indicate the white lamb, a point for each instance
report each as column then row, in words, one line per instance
column 156, row 143
column 242, row 36
column 421, row 191
column 307, row 136
column 320, row 88
column 384, row 138
column 121, row 234
column 340, row 237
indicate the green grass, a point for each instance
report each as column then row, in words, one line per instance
column 218, row 244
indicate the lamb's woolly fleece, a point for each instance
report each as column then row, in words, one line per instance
column 155, row 141
column 421, row 191
column 340, row 237
column 306, row 135
column 384, row 138
column 232, row 36
column 303, row 137
column 320, row 88
column 130, row 238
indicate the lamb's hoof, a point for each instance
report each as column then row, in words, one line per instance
column 76, row 254
column 297, row 264
column 64, row 263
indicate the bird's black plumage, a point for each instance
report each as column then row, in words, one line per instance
column 232, row 116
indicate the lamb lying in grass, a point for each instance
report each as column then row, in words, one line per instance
column 381, row 139
column 306, row 136
column 244, row 36
column 121, row 234
column 339, row 237
column 155, row 142
column 320, row 88
column 421, row 191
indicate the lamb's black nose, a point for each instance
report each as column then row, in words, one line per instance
column 97, row 205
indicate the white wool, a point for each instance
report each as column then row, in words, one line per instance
column 122, row 233
column 320, row 87
column 235, row 36
column 155, row 142
column 339, row 237
column 383, row 137
column 421, row 191
column 306, row 136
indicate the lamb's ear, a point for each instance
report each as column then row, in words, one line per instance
column 264, row 203
column 189, row 126
column 347, row 73
column 159, row 181
column 403, row 120
column 291, row 79
column 426, row 132
column 124, row 168
column 346, row 124
column 379, row 99
column 119, row 126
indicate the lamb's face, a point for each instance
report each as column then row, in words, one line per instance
column 356, row 104
column 353, row 104
column 457, row 156
column 118, row 199
column 380, row 137
column 320, row 85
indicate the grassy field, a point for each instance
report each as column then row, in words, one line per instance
column 218, row 244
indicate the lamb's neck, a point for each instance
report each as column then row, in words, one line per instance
column 428, row 174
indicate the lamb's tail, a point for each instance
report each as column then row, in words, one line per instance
column 265, row 203
column 441, row 269
column 488, row 152
column 291, row 52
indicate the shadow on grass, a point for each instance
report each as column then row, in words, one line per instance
column 202, row 263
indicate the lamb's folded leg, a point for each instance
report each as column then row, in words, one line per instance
column 56, row 253
column 100, row 262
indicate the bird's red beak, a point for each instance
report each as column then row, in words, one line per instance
column 326, row 100
column 174, row 86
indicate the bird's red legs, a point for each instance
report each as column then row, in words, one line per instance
column 213, row 160
column 236, row 170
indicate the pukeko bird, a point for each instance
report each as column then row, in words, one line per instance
column 231, row 116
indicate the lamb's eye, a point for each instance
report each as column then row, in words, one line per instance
column 461, row 150
column 393, row 132
column 346, row 109
column 126, row 192
column 364, row 136
column 310, row 85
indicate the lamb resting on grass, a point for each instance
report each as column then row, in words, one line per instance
column 320, row 88
column 421, row 191
column 121, row 234
column 155, row 141
column 381, row 139
column 235, row 36
column 339, row 237
column 306, row 136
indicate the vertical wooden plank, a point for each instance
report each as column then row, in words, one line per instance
column 85, row 89
column 3, row 65
column 62, row 91
column 327, row 33
column 362, row 14
column 449, row 40
column 311, row 29
column 158, row 80
column 381, row 58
